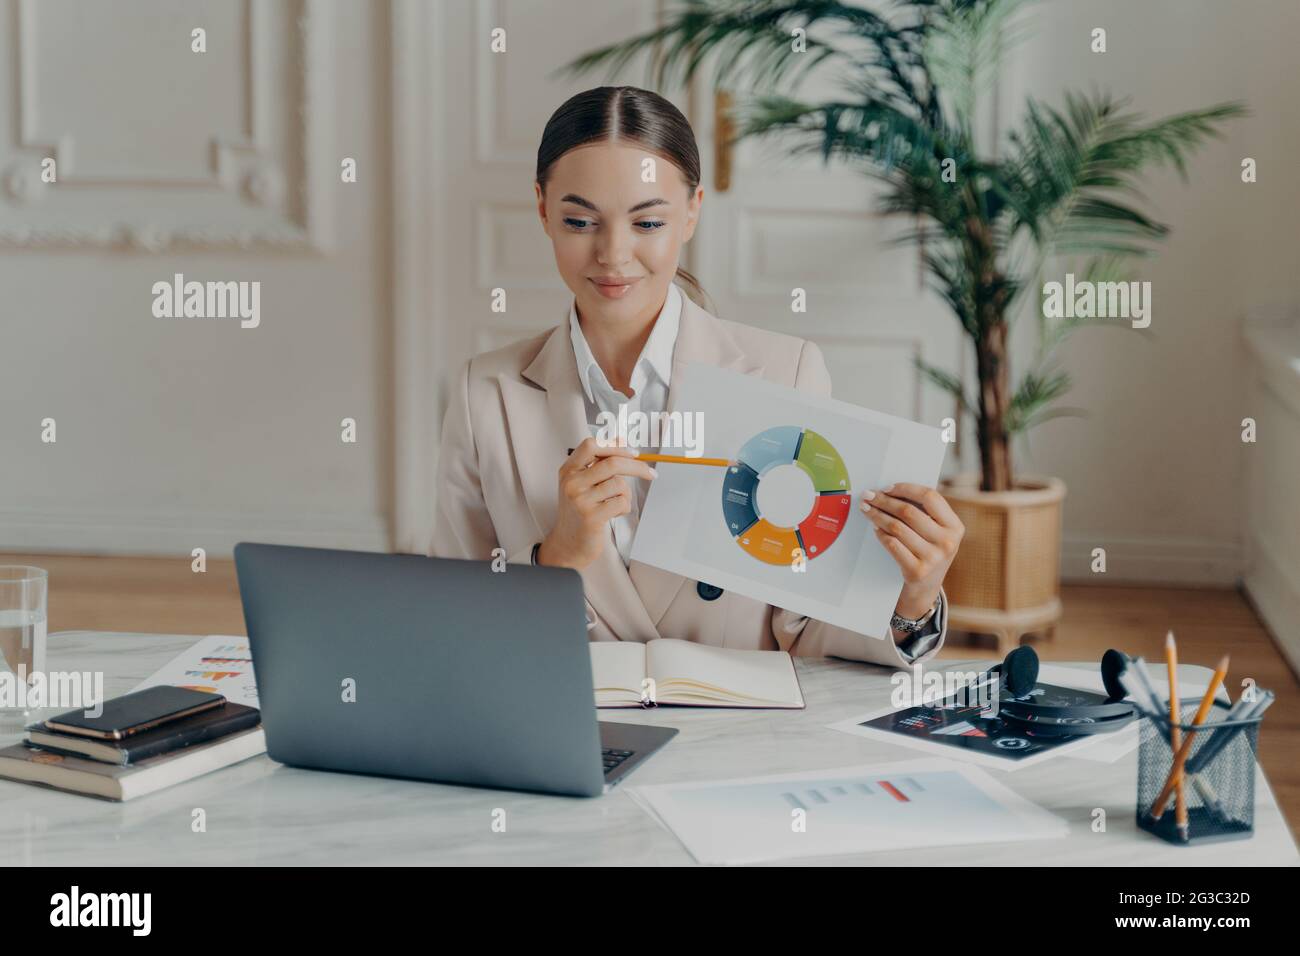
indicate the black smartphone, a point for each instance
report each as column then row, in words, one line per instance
column 133, row 713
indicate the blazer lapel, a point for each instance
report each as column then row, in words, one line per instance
column 703, row 339
column 543, row 424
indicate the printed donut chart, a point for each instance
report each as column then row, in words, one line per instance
column 784, row 445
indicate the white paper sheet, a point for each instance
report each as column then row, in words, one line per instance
column 217, row 663
column 862, row 809
column 813, row 458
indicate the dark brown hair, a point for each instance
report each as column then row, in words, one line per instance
column 630, row 114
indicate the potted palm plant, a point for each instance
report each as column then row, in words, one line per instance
column 1058, row 188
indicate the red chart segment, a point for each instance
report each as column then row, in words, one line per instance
column 824, row 523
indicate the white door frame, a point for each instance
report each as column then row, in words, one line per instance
column 417, row 267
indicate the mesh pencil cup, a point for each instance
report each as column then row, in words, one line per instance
column 1218, row 777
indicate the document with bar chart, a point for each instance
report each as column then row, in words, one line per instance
column 218, row 664
column 781, row 523
column 913, row 803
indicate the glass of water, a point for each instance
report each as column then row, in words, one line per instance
column 23, row 592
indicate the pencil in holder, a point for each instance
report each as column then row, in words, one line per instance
column 1218, row 777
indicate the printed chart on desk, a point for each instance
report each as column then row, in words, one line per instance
column 218, row 664
column 852, row 809
column 781, row 523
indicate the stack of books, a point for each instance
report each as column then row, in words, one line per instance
column 141, row 743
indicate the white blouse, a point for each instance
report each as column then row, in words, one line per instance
column 650, row 379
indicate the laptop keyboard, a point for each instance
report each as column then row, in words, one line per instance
column 613, row 758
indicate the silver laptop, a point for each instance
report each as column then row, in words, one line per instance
column 430, row 668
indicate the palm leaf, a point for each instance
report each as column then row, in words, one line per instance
column 1068, row 183
column 1067, row 167
column 964, row 49
column 944, row 380
column 1052, row 332
column 1036, row 390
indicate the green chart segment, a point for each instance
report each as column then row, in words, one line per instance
column 817, row 457
column 822, row 462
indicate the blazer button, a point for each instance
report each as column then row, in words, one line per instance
column 709, row 592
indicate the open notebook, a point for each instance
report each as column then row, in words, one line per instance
column 692, row 675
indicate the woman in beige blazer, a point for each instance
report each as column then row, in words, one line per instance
column 618, row 192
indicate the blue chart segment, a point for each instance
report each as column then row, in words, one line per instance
column 738, row 491
column 776, row 446
column 817, row 457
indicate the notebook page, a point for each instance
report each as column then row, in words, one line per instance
column 618, row 666
column 758, row 675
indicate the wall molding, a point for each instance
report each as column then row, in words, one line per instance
column 913, row 345
column 489, row 14
column 1152, row 559
column 751, row 279
column 492, row 220
column 418, row 263
column 154, row 532
column 258, row 181
column 63, row 148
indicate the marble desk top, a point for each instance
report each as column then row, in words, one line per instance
column 260, row 812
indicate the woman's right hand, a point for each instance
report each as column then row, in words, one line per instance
column 592, row 491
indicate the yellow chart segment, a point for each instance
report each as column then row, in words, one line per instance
column 769, row 543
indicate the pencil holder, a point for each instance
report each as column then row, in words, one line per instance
column 1218, row 777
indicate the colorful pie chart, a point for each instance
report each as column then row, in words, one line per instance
column 817, row 457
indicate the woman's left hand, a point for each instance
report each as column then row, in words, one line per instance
column 920, row 530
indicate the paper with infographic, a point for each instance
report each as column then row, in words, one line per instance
column 864, row 809
column 967, row 731
column 218, row 664
column 782, row 523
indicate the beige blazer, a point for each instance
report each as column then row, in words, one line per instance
column 511, row 416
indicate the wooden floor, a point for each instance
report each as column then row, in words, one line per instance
column 162, row 595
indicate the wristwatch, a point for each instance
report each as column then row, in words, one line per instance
column 906, row 625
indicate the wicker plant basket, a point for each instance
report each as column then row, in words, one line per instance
column 1005, row 580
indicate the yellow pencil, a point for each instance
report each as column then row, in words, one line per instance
column 679, row 459
column 683, row 460
column 1176, row 774
column 1175, row 732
